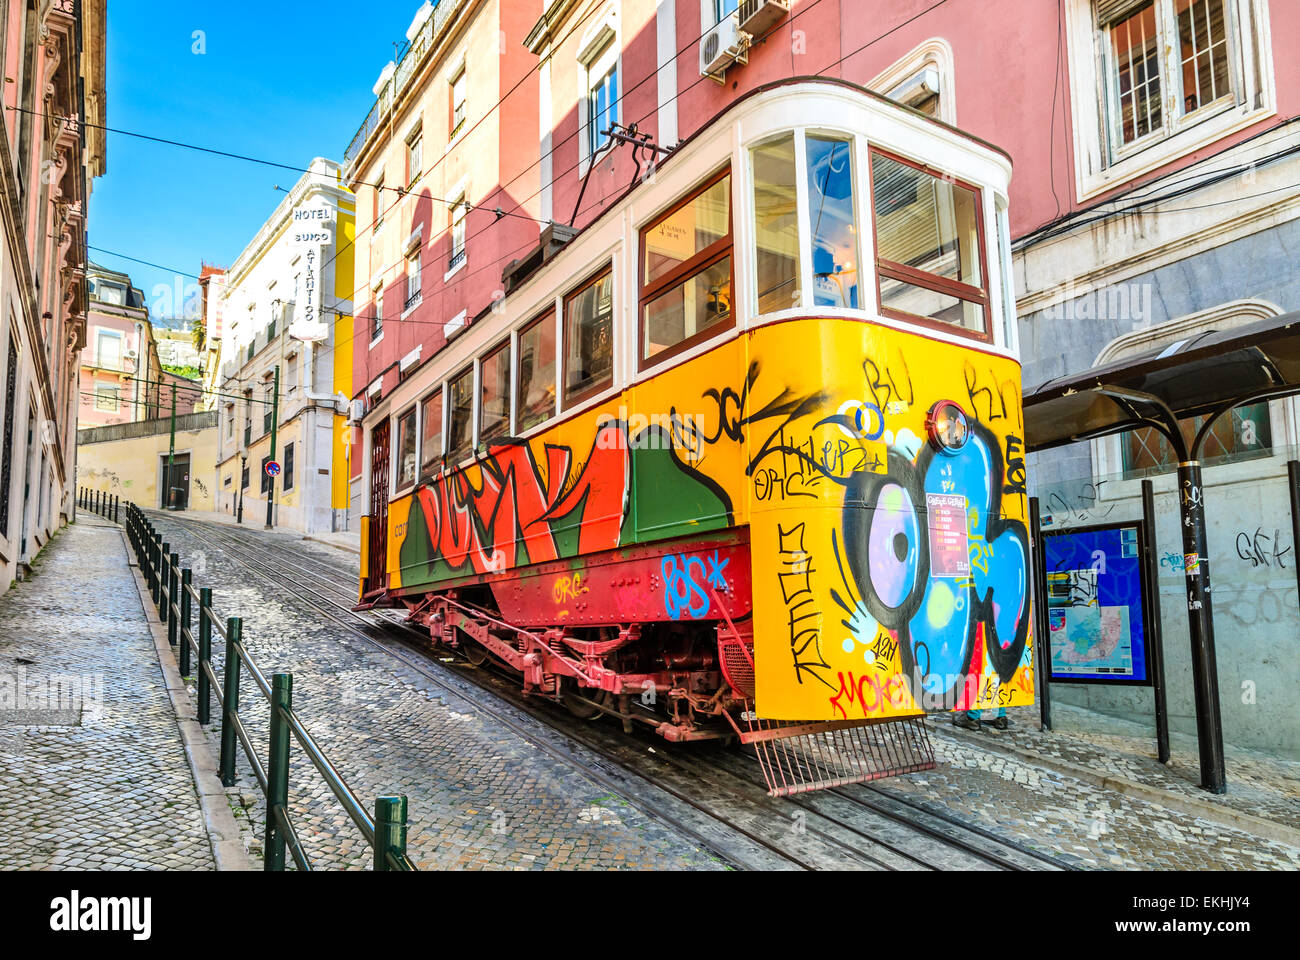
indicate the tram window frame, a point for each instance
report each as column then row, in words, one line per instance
column 411, row 413
column 432, row 466
column 501, row 428
column 721, row 249
column 520, row 412
column 569, row 401
column 902, row 273
column 455, row 456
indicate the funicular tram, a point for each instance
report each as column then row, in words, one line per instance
column 744, row 457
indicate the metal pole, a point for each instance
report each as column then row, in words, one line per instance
column 187, row 582
column 173, row 606
column 390, row 829
column 275, row 423
column 277, row 770
column 1042, row 630
column 230, row 702
column 1200, row 617
column 1293, row 480
column 164, row 579
column 205, row 654
column 243, row 464
column 1154, row 636
column 171, row 451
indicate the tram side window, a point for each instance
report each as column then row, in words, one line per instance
column 589, row 339
column 929, row 245
column 494, row 405
column 776, row 222
column 460, row 432
column 406, row 449
column 686, row 272
column 831, row 216
column 536, row 372
column 431, row 442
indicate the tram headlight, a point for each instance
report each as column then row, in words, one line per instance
column 948, row 426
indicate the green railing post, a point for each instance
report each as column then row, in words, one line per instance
column 390, row 829
column 164, row 579
column 155, row 564
column 205, row 654
column 187, row 582
column 173, row 597
column 277, row 770
column 117, row 504
column 230, row 702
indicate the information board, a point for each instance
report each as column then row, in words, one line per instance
column 1097, row 605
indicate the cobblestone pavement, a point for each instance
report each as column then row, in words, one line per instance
column 1092, row 826
column 478, row 795
column 1258, row 784
column 95, row 776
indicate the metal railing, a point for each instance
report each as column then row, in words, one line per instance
column 171, row 588
column 100, row 502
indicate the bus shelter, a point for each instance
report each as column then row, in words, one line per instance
column 1202, row 376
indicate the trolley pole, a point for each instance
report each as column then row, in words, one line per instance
column 275, row 424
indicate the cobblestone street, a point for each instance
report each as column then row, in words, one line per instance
column 95, row 778
column 479, row 796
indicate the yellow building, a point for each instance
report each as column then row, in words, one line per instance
column 285, row 362
column 129, row 460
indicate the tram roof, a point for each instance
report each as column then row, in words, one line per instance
column 1202, row 374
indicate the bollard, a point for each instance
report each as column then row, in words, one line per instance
column 187, row 584
column 173, row 597
column 230, row 698
column 164, row 581
column 277, row 770
column 390, row 829
column 205, row 654
column 155, row 550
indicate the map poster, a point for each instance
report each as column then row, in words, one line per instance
column 1096, row 605
column 949, row 540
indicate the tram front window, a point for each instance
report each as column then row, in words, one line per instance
column 929, row 245
column 776, row 225
column 834, row 235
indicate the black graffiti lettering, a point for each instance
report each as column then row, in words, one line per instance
column 795, row 581
column 1015, row 466
column 894, row 384
column 1261, row 549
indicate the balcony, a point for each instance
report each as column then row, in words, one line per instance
column 408, row 64
column 456, row 260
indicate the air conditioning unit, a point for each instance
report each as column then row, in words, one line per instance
column 757, row 17
column 722, row 46
column 358, row 412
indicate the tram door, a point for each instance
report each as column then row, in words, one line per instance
column 378, row 551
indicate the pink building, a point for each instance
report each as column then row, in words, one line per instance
column 446, row 179
column 119, row 366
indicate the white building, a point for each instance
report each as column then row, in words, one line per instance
column 287, row 305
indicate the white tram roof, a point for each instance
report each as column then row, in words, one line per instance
column 815, row 104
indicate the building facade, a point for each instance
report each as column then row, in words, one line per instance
column 121, row 369
column 287, row 319
column 52, row 59
column 445, row 170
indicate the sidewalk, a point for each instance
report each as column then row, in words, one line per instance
column 348, row 540
column 93, row 771
column 1263, row 791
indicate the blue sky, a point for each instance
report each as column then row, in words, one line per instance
column 280, row 81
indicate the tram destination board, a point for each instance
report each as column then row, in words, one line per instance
column 1096, row 605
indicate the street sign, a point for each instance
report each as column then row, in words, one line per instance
column 272, row 469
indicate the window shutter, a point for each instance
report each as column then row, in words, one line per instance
column 1113, row 11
